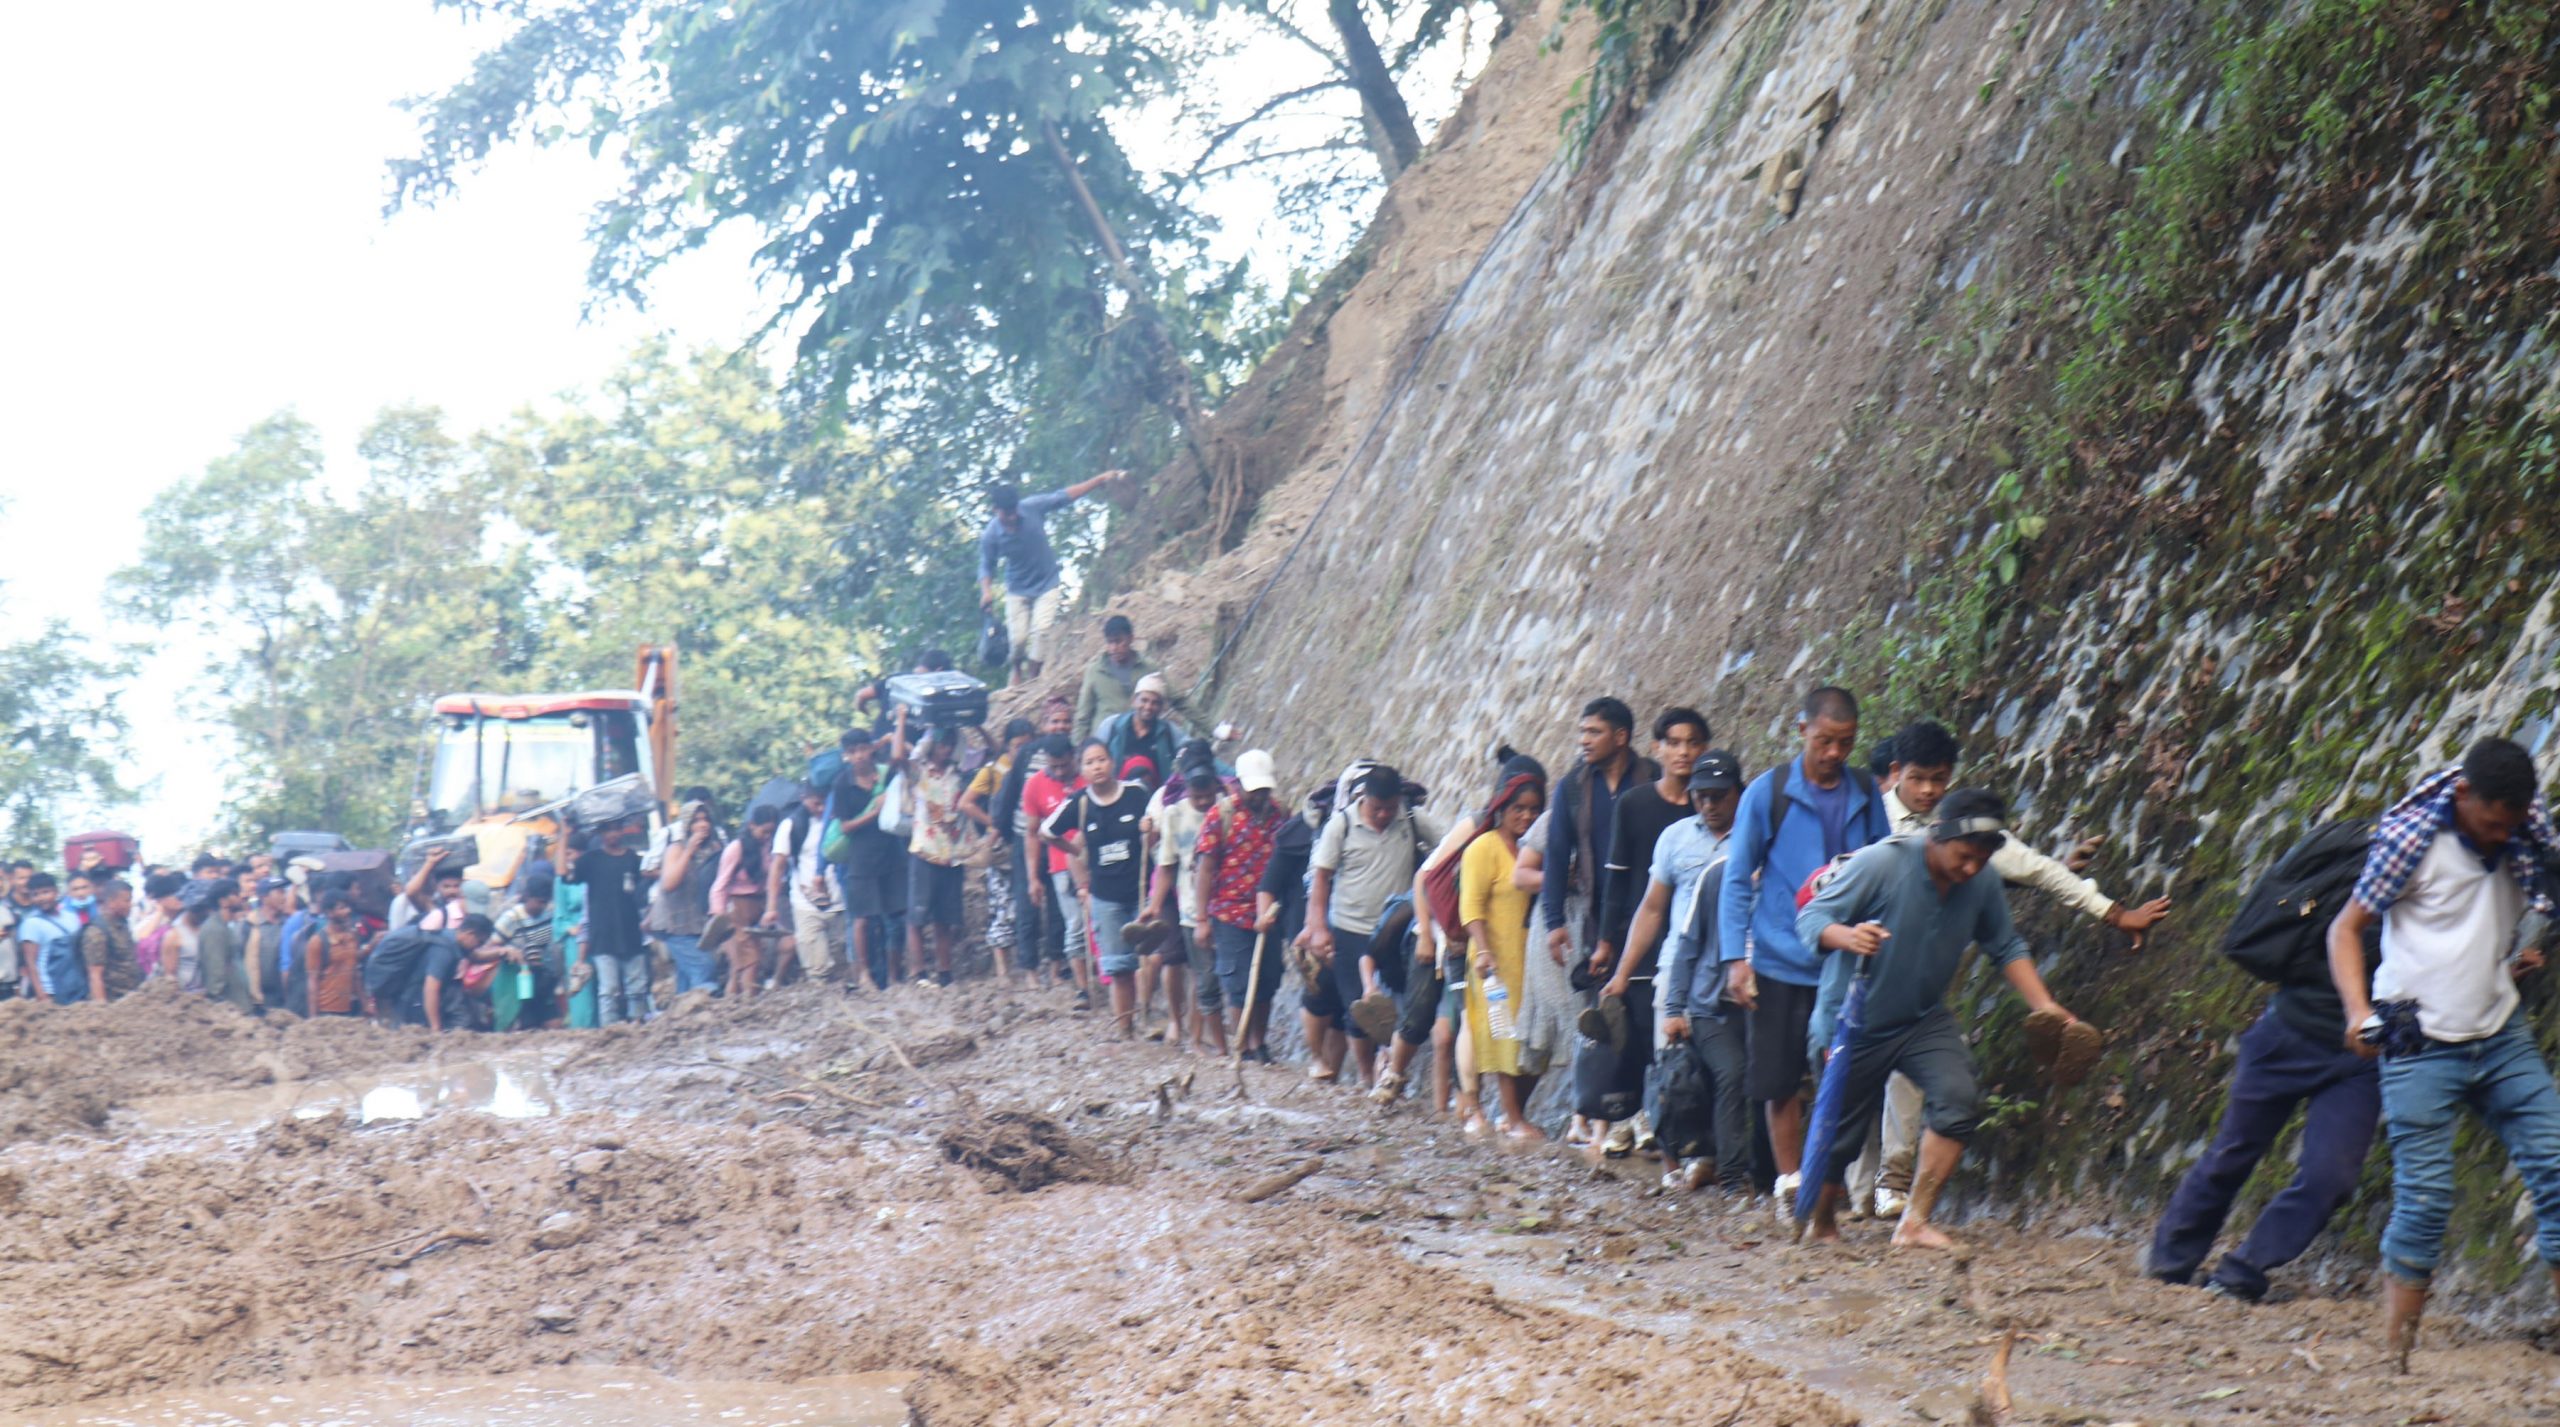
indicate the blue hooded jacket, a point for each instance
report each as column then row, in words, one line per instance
column 1763, row 927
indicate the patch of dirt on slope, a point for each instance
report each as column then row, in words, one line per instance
column 1299, row 418
column 66, row 1068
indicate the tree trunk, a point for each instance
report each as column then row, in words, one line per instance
column 1177, row 373
column 1382, row 112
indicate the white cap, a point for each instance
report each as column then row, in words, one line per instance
column 1253, row 770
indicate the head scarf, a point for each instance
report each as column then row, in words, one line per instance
column 1512, row 787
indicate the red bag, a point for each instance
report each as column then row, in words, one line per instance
column 1440, row 888
column 117, row 851
column 1822, row 874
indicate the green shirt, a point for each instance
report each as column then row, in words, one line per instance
column 1888, row 882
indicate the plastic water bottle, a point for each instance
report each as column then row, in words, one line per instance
column 1497, row 1010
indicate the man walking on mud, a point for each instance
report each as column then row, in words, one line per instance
column 1579, row 818
column 1234, row 851
column 1016, row 538
column 2453, row 867
column 1794, row 818
column 1910, row 906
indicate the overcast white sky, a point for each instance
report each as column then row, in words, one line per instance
column 194, row 238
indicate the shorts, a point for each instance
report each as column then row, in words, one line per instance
column 933, row 892
column 1322, row 997
column 1110, row 946
column 1175, row 949
column 1780, row 1040
column 817, row 933
column 1234, row 965
column 875, row 885
column 1027, row 623
column 1348, row 984
column 1932, row 1052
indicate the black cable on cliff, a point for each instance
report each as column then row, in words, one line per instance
column 1395, row 397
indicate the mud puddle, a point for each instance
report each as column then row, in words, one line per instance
column 1820, row 1334
column 511, row 1088
column 596, row 1397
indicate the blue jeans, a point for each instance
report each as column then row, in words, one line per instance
column 1111, row 948
column 694, row 966
column 2280, row 1068
column 622, row 988
column 2503, row 1080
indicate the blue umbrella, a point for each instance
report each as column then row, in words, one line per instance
column 1831, row 1096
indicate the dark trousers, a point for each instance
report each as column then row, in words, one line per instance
column 2279, row 1069
column 1029, row 933
column 1717, row 1042
column 1424, row 989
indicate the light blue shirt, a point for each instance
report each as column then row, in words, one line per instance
column 55, row 936
column 1683, row 850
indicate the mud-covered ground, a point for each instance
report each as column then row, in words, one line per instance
column 974, row 1186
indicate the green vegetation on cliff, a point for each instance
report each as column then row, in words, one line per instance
column 2258, row 530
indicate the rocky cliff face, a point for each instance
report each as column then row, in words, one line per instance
column 2160, row 395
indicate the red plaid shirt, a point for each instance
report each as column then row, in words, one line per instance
column 1242, row 844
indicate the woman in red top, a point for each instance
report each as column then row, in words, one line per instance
column 1042, row 794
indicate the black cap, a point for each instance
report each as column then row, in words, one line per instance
column 272, row 884
column 1717, row 769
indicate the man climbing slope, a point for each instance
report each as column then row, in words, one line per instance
column 1017, row 538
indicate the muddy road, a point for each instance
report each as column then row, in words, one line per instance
column 973, row 1187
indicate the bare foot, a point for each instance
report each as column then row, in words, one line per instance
column 1474, row 1127
column 1526, row 1133
column 1819, row 1230
column 1920, row 1236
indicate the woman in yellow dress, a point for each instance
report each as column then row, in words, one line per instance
column 1496, row 916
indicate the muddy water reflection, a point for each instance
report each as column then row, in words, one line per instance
column 567, row 1397
column 514, row 1088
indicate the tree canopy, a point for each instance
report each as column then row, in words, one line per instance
column 326, row 625
column 684, row 503
column 60, row 736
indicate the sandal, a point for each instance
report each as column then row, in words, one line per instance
column 1388, row 1090
column 1374, row 1015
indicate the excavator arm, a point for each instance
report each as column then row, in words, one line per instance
column 655, row 678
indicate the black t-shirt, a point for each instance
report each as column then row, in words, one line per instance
column 1635, row 825
column 442, row 960
column 871, row 846
column 614, row 895
column 1112, row 841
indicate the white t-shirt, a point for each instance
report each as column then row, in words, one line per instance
column 1177, row 847
column 806, row 865
column 2445, row 942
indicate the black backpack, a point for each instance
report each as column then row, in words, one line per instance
column 2281, row 933
column 995, row 643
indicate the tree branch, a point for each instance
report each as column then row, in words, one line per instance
column 1270, row 15
column 1260, row 112
column 1337, row 146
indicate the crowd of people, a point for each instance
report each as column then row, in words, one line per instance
column 1696, row 945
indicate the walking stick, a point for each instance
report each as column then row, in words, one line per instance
column 1244, row 1016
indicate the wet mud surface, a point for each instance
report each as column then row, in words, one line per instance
column 972, row 1187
